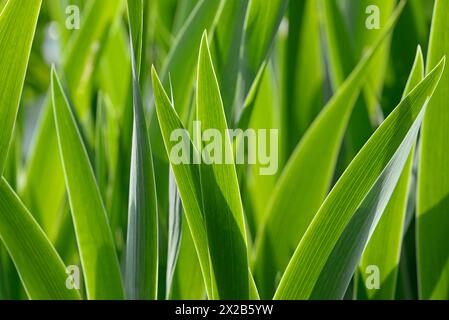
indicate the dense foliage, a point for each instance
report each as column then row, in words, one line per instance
column 331, row 117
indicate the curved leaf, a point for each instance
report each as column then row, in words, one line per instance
column 180, row 63
column 261, row 26
column 433, row 173
column 304, row 69
column 81, row 51
column 43, row 188
column 94, row 238
column 41, row 270
column 226, row 47
column 188, row 182
column 223, row 211
column 142, row 237
column 174, row 232
column 187, row 178
column 308, row 173
column 17, row 26
column 326, row 257
column 384, row 247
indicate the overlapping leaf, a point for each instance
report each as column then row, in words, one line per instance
column 41, row 270
column 43, row 188
column 181, row 61
column 384, row 247
column 306, row 178
column 433, row 174
column 187, row 178
column 174, row 232
column 223, row 211
column 16, row 38
column 304, row 70
column 326, row 257
column 94, row 238
column 142, row 250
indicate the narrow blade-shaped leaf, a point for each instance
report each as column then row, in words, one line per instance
column 192, row 287
column 179, row 66
column 174, row 231
column 364, row 36
column 223, row 209
column 135, row 17
column 326, row 257
column 262, row 23
column 433, row 173
column 384, row 247
column 188, row 181
column 180, row 63
column 101, row 173
column 187, row 178
column 261, row 26
column 43, row 189
column 258, row 188
column 226, row 49
column 304, row 69
column 16, row 38
column 142, row 238
column 81, row 53
column 95, row 244
column 308, row 173
column 41, row 270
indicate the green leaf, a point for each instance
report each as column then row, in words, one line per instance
column 226, row 47
column 188, row 182
column 223, row 209
column 181, row 62
column 43, row 188
column 82, row 49
column 326, row 257
column 304, row 69
column 180, row 14
column 17, row 27
column 2, row 4
column 187, row 178
column 174, row 232
column 142, row 237
column 261, row 27
column 308, row 173
column 95, row 243
column 364, row 37
column 10, row 285
column 135, row 16
column 340, row 51
column 413, row 28
column 113, row 74
column 384, row 247
column 258, row 188
column 433, row 174
column 101, row 173
column 41, row 270
column 191, row 287
column 342, row 59
column 262, row 23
